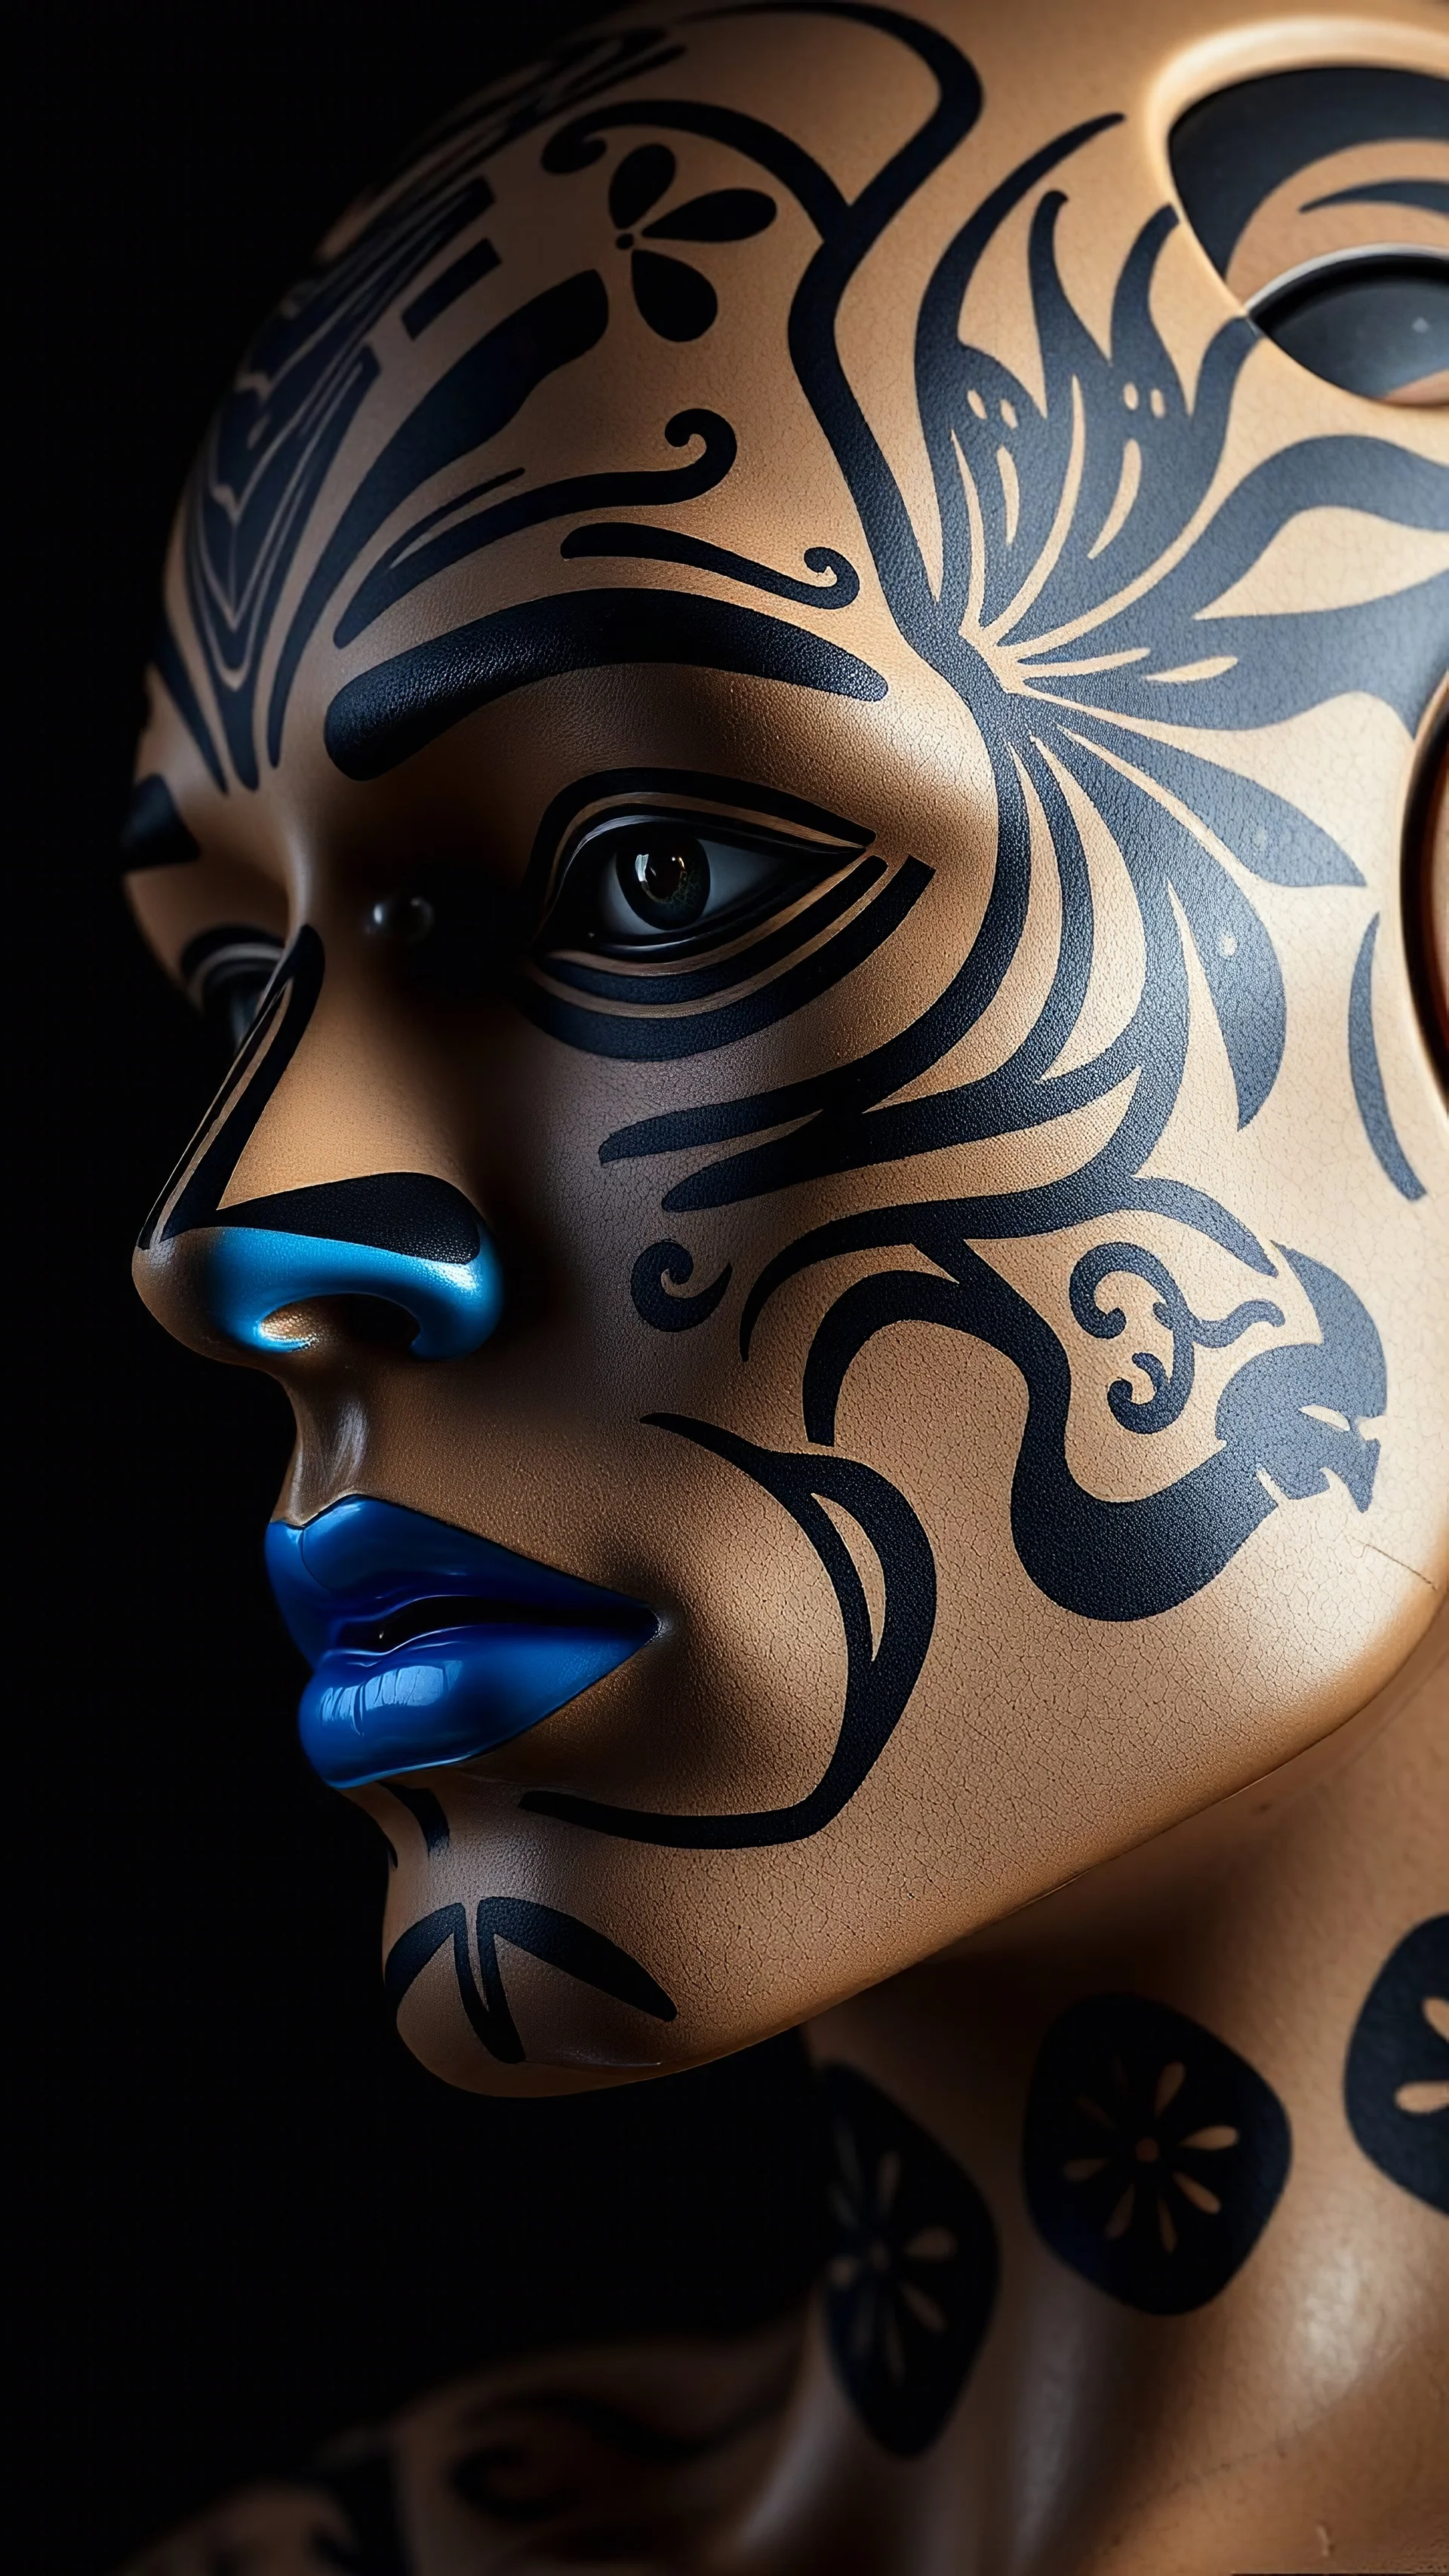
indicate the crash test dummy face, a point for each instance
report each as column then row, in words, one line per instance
column 795, row 725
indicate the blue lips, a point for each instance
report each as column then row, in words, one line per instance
column 430, row 1645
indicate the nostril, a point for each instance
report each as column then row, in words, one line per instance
column 378, row 1322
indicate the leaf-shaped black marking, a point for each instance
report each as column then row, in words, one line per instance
column 559, row 1939
column 1272, row 838
column 639, row 182
column 1241, row 967
column 675, row 301
column 725, row 214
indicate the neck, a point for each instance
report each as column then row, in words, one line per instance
column 1137, row 2263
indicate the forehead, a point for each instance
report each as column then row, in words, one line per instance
column 573, row 302
column 601, row 377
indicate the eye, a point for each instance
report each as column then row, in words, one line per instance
column 225, row 972
column 660, row 885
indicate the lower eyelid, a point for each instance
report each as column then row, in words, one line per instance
column 693, row 973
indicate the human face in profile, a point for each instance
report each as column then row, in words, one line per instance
column 798, row 816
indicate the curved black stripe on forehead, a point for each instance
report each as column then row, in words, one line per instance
column 385, row 715
column 481, row 393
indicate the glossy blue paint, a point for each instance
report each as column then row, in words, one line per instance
column 500, row 1641
column 252, row 1272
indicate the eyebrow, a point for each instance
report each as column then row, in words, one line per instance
column 386, row 714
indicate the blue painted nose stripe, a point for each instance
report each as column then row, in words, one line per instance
column 250, row 1273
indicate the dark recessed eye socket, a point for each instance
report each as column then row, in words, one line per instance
column 1373, row 321
column 225, row 973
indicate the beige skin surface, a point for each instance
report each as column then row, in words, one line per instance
column 1288, row 2418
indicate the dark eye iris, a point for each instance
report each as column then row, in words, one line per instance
column 664, row 878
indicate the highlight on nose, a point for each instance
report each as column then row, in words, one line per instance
column 404, row 1237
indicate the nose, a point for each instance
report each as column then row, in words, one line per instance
column 411, row 1240
column 404, row 1237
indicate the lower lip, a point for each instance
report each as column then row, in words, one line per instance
column 447, row 1696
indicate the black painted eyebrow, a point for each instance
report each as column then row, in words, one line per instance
column 386, row 714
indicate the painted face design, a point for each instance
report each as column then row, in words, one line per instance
column 785, row 741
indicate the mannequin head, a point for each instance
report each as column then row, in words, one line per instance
column 839, row 1159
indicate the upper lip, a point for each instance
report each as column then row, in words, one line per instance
column 366, row 1577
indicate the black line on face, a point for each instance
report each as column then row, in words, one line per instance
column 879, row 1679
column 387, row 714
column 669, row 1312
column 425, row 1810
column 416, row 556
column 232, row 1118
column 167, row 655
column 558, row 1939
column 1368, row 1080
column 461, row 273
column 637, row 540
column 1426, row 196
column 480, row 394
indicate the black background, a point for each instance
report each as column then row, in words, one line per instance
column 240, row 2217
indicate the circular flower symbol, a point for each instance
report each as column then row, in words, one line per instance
column 1396, row 2081
column 1146, row 2166
column 673, row 297
column 912, row 2272
column 1153, row 2153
